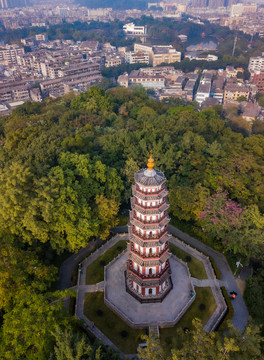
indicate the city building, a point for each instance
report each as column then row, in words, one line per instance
column 234, row 90
column 7, row 4
column 159, row 54
column 217, row 91
column 113, row 61
column 204, row 88
column 258, row 79
column 231, row 72
column 189, row 89
column 9, row 54
column 132, row 29
column 17, row 92
column 147, row 81
column 148, row 276
column 41, row 37
column 256, row 65
column 134, row 57
column 250, row 112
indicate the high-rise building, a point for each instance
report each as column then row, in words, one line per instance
column 199, row 3
column 148, row 276
column 214, row 4
column 6, row 4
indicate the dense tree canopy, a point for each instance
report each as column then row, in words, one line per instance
column 197, row 344
column 66, row 166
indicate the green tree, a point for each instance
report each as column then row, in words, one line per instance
column 26, row 328
column 73, row 346
column 153, row 350
column 241, row 99
column 65, row 208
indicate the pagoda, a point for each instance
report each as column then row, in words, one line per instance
column 148, row 275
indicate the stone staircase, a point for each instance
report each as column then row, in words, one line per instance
column 154, row 330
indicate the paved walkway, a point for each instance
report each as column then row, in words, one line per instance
column 165, row 313
column 68, row 266
column 241, row 314
column 207, row 282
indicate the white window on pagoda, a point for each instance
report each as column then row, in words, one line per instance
column 137, row 287
column 141, row 250
column 163, row 285
column 136, row 246
column 135, row 265
column 163, row 266
column 140, row 269
column 150, row 291
column 151, row 250
column 150, row 270
column 154, row 217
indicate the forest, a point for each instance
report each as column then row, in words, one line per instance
column 66, row 170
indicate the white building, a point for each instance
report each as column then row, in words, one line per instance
column 132, row 29
column 41, row 37
column 134, row 57
column 204, row 88
column 256, row 64
column 236, row 10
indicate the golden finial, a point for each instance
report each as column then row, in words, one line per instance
column 150, row 162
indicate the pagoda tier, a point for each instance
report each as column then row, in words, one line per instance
column 148, row 268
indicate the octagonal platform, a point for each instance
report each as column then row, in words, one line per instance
column 137, row 315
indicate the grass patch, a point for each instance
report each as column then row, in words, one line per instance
column 229, row 313
column 204, row 296
column 196, row 267
column 122, row 335
column 123, row 220
column 215, row 267
column 95, row 271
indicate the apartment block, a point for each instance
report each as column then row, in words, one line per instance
column 9, row 54
column 14, row 93
column 234, row 90
column 159, row 54
column 63, row 85
column 204, row 88
column 256, row 65
column 133, row 57
column 258, row 79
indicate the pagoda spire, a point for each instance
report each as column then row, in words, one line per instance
column 150, row 162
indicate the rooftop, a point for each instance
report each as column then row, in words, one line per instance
column 150, row 176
